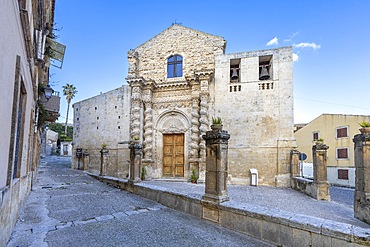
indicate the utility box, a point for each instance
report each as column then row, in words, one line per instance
column 254, row 177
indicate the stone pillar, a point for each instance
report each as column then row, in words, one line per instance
column 320, row 181
column 204, row 77
column 216, row 166
column 135, row 162
column 294, row 163
column 103, row 162
column 86, row 160
column 362, row 187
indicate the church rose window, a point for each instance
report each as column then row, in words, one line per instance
column 174, row 66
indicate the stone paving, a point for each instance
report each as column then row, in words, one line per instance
column 69, row 208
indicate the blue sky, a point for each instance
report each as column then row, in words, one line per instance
column 330, row 40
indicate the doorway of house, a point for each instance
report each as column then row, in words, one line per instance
column 173, row 155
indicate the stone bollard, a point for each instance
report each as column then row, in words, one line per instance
column 320, row 180
column 216, row 166
column 86, row 160
column 135, row 162
column 103, row 161
column 294, row 163
column 362, row 187
column 294, row 167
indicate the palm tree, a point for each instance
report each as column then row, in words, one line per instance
column 69, row 91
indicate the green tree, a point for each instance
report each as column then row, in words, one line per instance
column 59, row 128
column 69, row 91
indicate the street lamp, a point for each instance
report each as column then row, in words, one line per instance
column 48, row 92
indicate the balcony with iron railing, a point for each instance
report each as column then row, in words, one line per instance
column 51, row 106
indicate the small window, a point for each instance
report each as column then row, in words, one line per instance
column 343, row 174
column 342, row 132
column 342, row 153
column 174, row 66
column 96, row 108
column 315, row 136
column 97, row 118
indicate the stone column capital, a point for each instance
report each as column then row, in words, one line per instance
column 216, row 137
column 134, row 81
column 203, row 75
column 320, row 147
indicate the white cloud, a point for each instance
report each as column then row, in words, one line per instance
column 306, row 44
column 274, row 41
column 295, row 57
column 291, row 37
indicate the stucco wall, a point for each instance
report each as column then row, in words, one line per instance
column 104, row 118
column 326, row 125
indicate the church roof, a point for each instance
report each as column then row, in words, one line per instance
column 178, row 26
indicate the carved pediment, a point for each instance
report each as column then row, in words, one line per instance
column 173, row 122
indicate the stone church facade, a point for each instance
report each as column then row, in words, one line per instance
column 177, row 82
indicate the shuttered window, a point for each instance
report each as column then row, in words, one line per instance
column 315, row 136
column 342, row 132
column 343, row 174
column 342, row 153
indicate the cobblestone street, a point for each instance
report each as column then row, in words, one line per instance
column 69, row 208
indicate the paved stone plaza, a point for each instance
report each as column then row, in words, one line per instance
column 69, row 208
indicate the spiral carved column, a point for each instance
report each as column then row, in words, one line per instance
column 136, row 101
column 194, row 152
column 148, row 131
column 204, row 124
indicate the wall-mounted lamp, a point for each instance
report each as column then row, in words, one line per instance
column 48, row 92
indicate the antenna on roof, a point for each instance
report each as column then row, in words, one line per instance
column 178, row 23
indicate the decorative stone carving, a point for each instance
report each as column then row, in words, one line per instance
column 133, row 62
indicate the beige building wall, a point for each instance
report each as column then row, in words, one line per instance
column 326, row 126
column 257, row 113
column 18, row 97
column 104, row 118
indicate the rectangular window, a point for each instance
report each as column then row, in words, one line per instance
column 342, row 132
column 342, row 153
column 315, row 136
column 343, row 174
